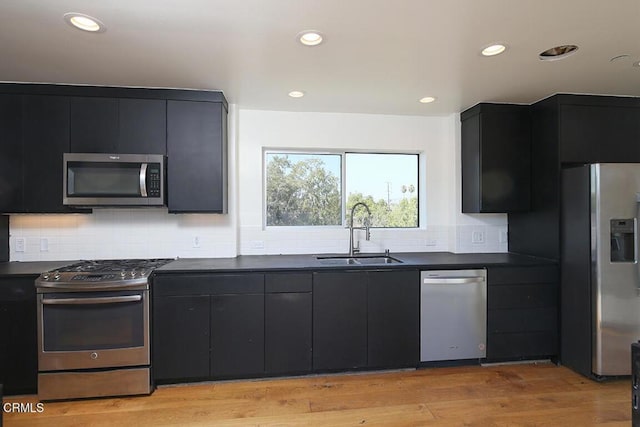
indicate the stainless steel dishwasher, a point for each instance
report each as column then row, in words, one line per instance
column 453, row 315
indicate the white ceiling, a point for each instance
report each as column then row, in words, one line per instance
column 380, row 56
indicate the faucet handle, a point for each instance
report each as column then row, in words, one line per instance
column 386, row 252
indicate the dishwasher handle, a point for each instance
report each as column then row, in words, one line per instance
column 452, row 280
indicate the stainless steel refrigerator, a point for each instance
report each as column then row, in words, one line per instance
column 600, row 284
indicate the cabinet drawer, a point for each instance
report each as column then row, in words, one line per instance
column 537, row 295
column 522, row 320
column 288, row 282
column 208, row 284
column 514, row 275
column 521, row 345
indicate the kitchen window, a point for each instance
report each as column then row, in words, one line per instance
column 319, row 189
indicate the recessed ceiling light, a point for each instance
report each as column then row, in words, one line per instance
column 619, row 58
column 494, row 49
column 558, row 52
column 427, row 99
column 310, row 38
column 84, row 22
column 296, row 94
column 636, row 64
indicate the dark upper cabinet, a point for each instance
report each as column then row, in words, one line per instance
column 11, row 170
column 18, row 346
column 496, row 159
column 599, row 133
column 112, row 125
column 94, row 125
column 196, row 156
column 339, row 320
column 393, row 312
column 142, row 126
column 45, row 139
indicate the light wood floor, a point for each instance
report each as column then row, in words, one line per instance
column 508, row 395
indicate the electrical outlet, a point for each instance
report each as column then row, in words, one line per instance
column 196, row 241
column 44, row 245
column 257, row 244
column 503, row 237
column 431, row 242
column 477, row 237
column 21, row 244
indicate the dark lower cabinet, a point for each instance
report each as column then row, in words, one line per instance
column 522, row 313
column 237, row 335
column 18, row 344
column 366, row 319
column 181, row 337
column 288, row 323
column 207, row 326
column 393, row 308
column 339, row 320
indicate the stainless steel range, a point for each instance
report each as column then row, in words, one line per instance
column 93, row 329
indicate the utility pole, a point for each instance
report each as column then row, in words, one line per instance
column 389, row 194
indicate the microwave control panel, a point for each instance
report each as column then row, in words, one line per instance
column 153, row 180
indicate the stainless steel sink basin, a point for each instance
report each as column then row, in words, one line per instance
column 357, row 260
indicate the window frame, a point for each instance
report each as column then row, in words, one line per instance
column 343, row 185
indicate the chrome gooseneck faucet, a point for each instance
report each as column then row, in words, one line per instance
column 354, row 249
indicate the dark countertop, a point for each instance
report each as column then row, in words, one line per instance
column 427, row 260
column 34, row 268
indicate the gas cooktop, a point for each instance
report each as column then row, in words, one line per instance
column 101, row 274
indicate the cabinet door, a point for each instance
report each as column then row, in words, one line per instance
column 393, row 319
column 590, row 134
column 339, row 320
column 18, row 345
column 196, row 157
column 522, row 312
column 94, row 125
column 10, row 153
column 45, row 139
column 288, row 332
column 142, row 126
column 181, row 337
column 496, row 158
column 237, row 335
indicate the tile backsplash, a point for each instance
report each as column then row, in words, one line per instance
column 153, row 233
column 120, row 233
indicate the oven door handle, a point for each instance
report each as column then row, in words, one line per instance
column 79, row 301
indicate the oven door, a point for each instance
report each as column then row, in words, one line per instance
column 84, row 330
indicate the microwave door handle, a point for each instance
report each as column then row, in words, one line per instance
column 99, row 300
column 143, row 179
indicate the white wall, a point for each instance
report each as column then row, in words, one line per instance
column 436, row 138
column 133, row 233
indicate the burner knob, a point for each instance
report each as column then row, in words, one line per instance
column 133, row 273
column 56, row 275
column 45, row 276
column 123, row 274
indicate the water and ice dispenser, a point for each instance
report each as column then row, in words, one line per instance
column 623, row 240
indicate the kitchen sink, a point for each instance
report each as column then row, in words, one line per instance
column 357, row 260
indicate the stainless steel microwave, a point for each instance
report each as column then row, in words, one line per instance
column 94, row 179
